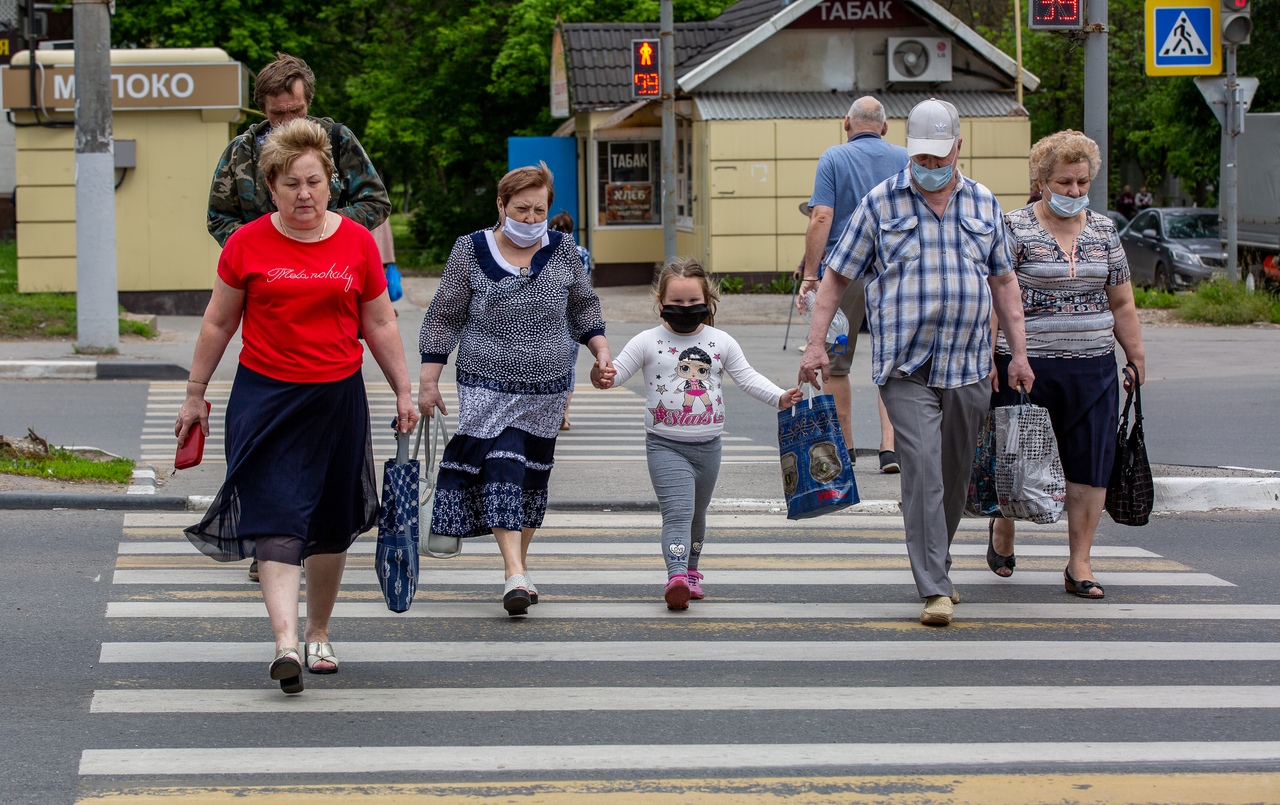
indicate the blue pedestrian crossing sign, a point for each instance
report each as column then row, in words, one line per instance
column 1182, row 37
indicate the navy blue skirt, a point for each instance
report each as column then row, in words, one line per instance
column 1083, row 398
column 485, row 484
column 299, row 464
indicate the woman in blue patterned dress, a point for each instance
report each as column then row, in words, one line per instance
column 513, row 300
column 1078, row 303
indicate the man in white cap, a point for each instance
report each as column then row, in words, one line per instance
column 845, row 173
column 932, row 246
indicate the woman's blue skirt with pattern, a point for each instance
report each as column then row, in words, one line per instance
column 492, row 483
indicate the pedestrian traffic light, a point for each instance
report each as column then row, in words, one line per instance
column 645, row 80
column 1237, row 25
column 1055, row 15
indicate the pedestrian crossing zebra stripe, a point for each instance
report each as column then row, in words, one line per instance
column 295, row 760
column 706, row 610
column 718, row 651
column 180, row 546
column 709, row 699
column 438, row 576
column 844, row 524
column 612, row 419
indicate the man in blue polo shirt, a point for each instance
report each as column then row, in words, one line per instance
column 846, row 173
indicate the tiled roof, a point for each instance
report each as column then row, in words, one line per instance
column 835, row 105
column 598, row 55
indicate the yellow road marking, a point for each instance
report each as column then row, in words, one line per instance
column 979, row 789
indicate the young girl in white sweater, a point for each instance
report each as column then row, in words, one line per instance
column 682, row 362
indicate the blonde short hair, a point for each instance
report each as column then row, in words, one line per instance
column 1063, row 148
column 285, row 144
column 691, row 268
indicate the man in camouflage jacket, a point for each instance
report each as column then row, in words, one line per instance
column 239, row 194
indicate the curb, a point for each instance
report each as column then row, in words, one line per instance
column 91, row 370
column 61, row 500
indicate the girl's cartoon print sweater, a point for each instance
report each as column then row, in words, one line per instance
column 683, row 376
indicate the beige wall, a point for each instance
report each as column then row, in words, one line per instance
column 161, row 240
column 758, row 172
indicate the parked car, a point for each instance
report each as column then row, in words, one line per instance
column 1173, row 248
column 1118, row 219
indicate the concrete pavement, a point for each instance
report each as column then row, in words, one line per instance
column 1209, row 399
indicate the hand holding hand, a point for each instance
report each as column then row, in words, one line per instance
column 789, row 398
column 602, row 375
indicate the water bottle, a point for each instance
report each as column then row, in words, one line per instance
column 837, row 332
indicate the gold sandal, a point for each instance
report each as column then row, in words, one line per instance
column 287, row 669
column 321, row 652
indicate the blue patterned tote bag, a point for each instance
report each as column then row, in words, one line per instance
column 396, row 556
column 983, row 500
column 817, row 476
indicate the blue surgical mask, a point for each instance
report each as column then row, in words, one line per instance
column 1066, row 206
column 522, row 234
column 931, row 179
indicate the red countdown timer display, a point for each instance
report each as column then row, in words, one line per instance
column 1056, row 14
column 645, row 82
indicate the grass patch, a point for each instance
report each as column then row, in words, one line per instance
column 65, row 465
column 1221, row 302
column 42, row 315
column 1151, row 298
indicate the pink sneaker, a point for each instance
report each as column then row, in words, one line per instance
column 695, row 585
column 676, row 593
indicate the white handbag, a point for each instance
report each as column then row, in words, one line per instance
column 436, row 545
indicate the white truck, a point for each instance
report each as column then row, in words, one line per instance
column 1258, row 228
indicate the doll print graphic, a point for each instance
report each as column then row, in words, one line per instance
column 694, row 405
column 694, row 369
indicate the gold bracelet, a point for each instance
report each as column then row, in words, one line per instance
column 198, row 382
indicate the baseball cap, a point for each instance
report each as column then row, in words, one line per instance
column 932, row 128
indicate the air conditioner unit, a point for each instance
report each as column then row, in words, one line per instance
column 919, row 58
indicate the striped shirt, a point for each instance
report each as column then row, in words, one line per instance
column 1064, row 297
column 927, row 293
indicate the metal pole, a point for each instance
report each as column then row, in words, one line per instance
column 97, row 298
column 1095, row 97
column 1228, row 199
column 1017, row 40
column 667, row 67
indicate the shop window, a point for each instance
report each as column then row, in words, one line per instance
column 629, row 174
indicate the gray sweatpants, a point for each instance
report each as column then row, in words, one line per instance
column 935, row 433
column 684, row 476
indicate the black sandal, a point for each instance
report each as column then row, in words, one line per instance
column 994, row 560
column 1081, row 588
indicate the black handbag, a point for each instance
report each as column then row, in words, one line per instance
column 1131, row 493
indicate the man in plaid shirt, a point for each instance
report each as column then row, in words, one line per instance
column 933, row 249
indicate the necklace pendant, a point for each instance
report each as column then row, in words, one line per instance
column 524, row 272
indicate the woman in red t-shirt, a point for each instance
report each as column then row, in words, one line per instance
column 303, row 284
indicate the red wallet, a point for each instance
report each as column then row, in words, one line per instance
column 192, row 450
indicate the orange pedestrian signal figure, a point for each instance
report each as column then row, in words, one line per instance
column 645, row 80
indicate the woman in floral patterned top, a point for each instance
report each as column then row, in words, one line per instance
column 1078, row 303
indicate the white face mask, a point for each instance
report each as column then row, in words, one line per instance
column 1066, row 206
column 522, row 234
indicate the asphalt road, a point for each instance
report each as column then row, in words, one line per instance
column 120, row 638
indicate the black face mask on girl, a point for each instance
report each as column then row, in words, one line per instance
column 684, row 319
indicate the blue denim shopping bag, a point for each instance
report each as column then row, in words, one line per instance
column 396, row 556
column 817, row 475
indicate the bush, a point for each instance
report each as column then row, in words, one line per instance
column 782, row 284
column 1223, row 302
column 731, row 285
